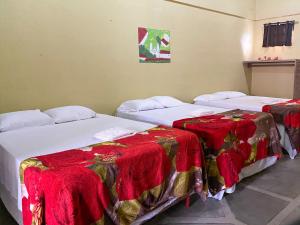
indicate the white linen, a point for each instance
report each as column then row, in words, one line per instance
column 201, row 112
column 21, row 119
column 230, row 94
column 139, row 105
column 70, row 113
column 167, row 116
column 252, row 103
column 209, row 97
column 18, row 145
column 10, row 204
column 167, row 101
column 113, row 133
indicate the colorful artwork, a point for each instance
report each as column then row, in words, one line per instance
column 154, row 45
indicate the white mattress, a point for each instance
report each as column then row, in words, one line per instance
column 21, row 144
column 167, row 116
column 252, row 103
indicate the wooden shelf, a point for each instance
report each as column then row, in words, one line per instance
column 275, row 63
column 259, row 63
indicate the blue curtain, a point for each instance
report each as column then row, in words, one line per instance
column 278, row 34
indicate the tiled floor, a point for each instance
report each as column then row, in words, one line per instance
column 5, row 218
column 269, row 198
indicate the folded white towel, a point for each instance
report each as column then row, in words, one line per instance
column 114, row 133
column 201, row 112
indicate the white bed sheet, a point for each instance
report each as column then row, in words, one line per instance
column 167, row 116
column 17, row 145
column 252, row 103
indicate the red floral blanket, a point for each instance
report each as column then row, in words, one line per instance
column 231, row 141
column 288, row 114
column 125, row 179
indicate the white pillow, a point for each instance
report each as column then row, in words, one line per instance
column 70, row 113
column 168, row 101
column 209, row 97
column 21, row 119
column 139, row 105
column 230, row 94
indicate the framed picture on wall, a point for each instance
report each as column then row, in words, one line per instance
column 154, row 45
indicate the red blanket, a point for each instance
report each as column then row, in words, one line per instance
column 231, row 141
column 288, row 114
column 125, row 179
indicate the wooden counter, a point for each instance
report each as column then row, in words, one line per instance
column 276, row 78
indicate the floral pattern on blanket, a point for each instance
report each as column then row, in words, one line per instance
column 124, row 179
column 233, row 140
column 288, row 114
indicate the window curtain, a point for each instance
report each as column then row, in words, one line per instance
column 278, row 34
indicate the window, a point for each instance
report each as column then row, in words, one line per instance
column 278, row 34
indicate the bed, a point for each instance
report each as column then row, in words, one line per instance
column 253, row 103
column 176, row 116
column 166, row 116
column 247, row 102
column 19, row 146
